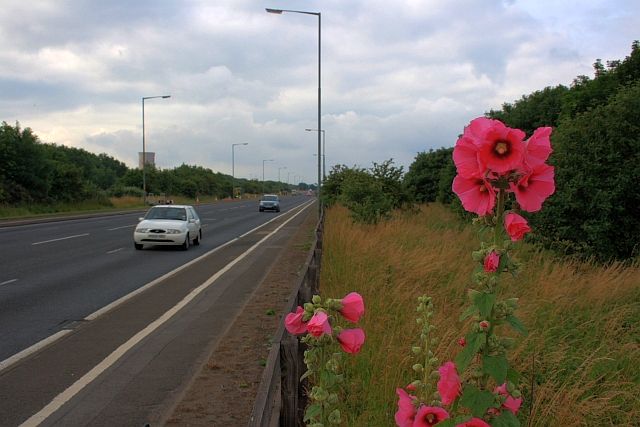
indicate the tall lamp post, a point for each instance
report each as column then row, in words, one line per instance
column 233, row 169
column 279, row 12
column 267, row 160
column 144, row 150
column 324, row 153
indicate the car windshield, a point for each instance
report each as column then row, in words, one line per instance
column 179, row 214
column 270, row 198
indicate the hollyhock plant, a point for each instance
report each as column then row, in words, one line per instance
column 476, row 194
column 406, row 412
column 449, row 383
column 500, row 148
column 321, row 322
column 351, row 340
column 511, row 403
column 352, row 307
column 465, row 157
column 428, row 416
column 294, row 324
column 533, row 187
column 474, row 422
column 538, row 147
column 516, row 226
column 491, row 262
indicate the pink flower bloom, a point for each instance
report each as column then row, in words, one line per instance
column 293, row 322
column 500, row 148
column 534, row 187
column 429, row 416
column 352, row 307
column 476, row 194
column 351, row 340
column 465, row 157
column 462, row 342
column 319, row 324
column 473, row 422
column 406, row 410
column 538, row 147
column 449, row 383
column 484, row 325
column 516, row 226
column 491, row 262
column 510, row 403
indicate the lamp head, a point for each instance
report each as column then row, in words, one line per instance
column 276, row 11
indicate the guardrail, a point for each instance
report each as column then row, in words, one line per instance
column 280, row 400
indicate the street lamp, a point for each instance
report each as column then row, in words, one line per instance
column 268, row 160
column 324, row 152
column 279, row 12
column 233, row 171
column 144, row 151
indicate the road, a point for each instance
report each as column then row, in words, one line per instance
column 126, row 365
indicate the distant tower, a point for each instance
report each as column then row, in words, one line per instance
column 151, row 159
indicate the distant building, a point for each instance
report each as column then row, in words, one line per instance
column 151, row 159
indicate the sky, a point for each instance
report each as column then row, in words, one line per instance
column 397, row 78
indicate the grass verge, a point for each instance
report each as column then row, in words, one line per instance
column 579, row 362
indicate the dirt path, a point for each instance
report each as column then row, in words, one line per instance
column 222, row 394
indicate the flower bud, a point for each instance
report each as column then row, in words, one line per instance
column 319, row 393
column 316, row 299
column 462, row 342
column 308, row 307
column 419, row 320
column 516, row 394
column 433, row 361
column 418, row 367
column 484, row 325
column 416, row 350
column 333, row 399
column 334, row 417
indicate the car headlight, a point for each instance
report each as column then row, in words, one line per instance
column 173, row 231
column 142, row 230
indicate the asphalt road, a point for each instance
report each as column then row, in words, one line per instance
column 129, row 365
column 54, row 274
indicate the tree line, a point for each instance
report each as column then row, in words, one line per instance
column 32, row 172
column 595, row 210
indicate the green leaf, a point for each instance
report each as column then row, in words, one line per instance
column 513, row 376
column 470, row 311
column 485, row 303
column 496, row 367
column 312, row 412
column 505, row 419
column 517, row 324
column 475, row 342
column 478, row 401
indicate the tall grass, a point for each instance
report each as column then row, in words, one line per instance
column 580, row 361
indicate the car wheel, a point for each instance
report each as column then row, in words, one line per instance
column 196, row 242
column 261, row 210
column 185, row 245
column 138, row 246
column 278, row 210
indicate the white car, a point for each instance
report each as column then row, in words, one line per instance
column 269, row 202
column 168, row 225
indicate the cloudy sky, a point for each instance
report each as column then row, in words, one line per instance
column 398, row 77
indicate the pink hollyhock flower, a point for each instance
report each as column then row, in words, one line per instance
column 449, row 383
column 411, row 387
column 462, row 342
column 491, row 262
column 319, row 324
column 293, row 322
column 484, row 325
column 534, row 187
column 473, row 422
column 510, row 403
column 429, row 416
column 352, row 307
column 465, row 157
column 500, row 148
column 406, row 410
column 351, row 340
column 516, row 226
column 476, row 194
column 538, row 147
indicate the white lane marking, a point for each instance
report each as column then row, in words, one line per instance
column 7, row 282
column 27, row 351
column 61, row 238
column 124, row 226
column 115, row 250
column 111, row 359
column 18, row 356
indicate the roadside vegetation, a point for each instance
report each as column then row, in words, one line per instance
column 579, row 361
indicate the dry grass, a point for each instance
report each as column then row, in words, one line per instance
column 579, row 362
